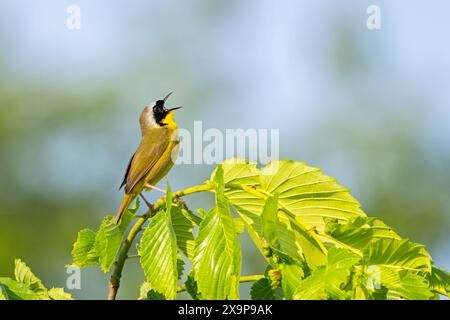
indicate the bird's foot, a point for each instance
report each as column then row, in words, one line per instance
column 180, row 200
column 149, row 205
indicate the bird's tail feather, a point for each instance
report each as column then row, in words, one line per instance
column 127, row 199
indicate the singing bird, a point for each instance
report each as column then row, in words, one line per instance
column 155, row 155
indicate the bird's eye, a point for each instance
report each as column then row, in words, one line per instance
column 156, row 108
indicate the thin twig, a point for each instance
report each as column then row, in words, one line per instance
column 133, row 256
column 242, row 279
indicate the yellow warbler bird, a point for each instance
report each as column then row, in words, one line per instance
column 155, row 155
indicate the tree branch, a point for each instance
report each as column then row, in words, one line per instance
column 252, row 278
column 114, row 282
column 133, row 256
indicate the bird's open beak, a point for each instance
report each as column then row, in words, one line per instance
column 167, row 96
column 173, row 109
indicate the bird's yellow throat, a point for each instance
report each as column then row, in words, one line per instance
column 169, row 121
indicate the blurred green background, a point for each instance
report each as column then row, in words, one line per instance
column 369, row 107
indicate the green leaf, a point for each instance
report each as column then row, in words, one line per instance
column 239, row 225
column 360, row 280
column 341, row 258
column 410, row 287
column 359, row 231
column 183, row 225
column 191, row 286
column 195, row 220
column 291, row 278
column 261, row 290
column 3, row 293
column 439, row 280
column 398, row 255
column 59, row 294
column 92, row 248
column 295, row 235
column 83, row 252
column 158, row 252
column 381, row 230
column 270, row 221
column 239, row 171
column 327, row 282
column 246, row 190
column 284, row 236
column 180, row 266
column 303, row 190
column 377, row 276
column 24, row 275
column 107, row 242
column 13, row 290
column 27, row 286
column 395, row 265
column 217, row 258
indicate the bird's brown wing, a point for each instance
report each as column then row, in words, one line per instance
column 152, row 147
column 125, row 176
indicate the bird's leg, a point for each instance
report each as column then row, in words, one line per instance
column 149, row 205
column 180, row 200
column 149, row 186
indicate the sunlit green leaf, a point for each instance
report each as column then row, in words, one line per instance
column 410, row 287
column 246, row 191
column 180, row 266
column 239, row 225
column 59, row 294
column 83, row 252
column 158, row 252
column 327, row 282
column 27, row 286
column 14, row 290
column 107, row 242
column 308, row 193
column 291, row 278
column 24, row 275
column 439, row 280
column 101, row 247
column 183, row 227
column 359, row 231
column 3, row 293
column 398, row 255
column 360, row 280
column 270, row 221
column 217, row 259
